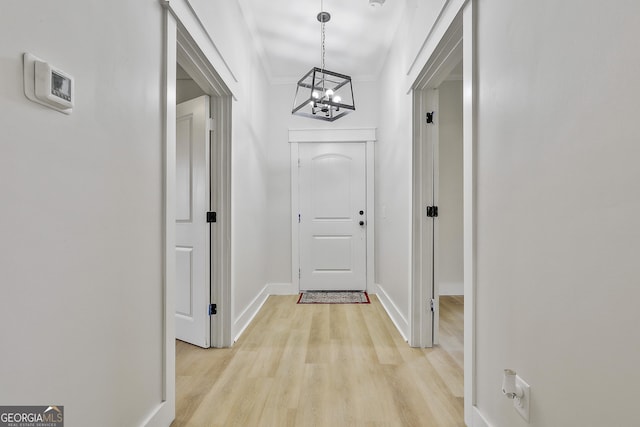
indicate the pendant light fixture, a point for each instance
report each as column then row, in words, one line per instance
column 322, row 94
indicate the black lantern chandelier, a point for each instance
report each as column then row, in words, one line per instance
column 322, row 94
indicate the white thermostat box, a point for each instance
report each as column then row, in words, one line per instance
column 53, row 86
column 48, row 85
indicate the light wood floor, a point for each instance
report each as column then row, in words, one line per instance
column 323, row 365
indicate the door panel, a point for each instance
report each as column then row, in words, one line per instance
column 184, row 168
column 184, row 271
column 332, row 195
column 193, row 285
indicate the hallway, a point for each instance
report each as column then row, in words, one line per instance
column 298, row 365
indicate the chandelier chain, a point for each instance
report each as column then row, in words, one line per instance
column 322, row 35
column 323, row 46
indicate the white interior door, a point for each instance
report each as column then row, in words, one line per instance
column 333, row 217
column 430, row 228
column 193, row 286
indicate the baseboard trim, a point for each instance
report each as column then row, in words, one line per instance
column 162, row 415
column 451, row 288
column 245, row 318
column 392, row 310
column 282, row 289
column 478, row 419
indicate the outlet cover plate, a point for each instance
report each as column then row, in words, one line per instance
column 522, row 405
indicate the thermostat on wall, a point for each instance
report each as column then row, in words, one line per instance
column 48, row 85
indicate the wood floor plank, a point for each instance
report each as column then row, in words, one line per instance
column 386, row 348
column 323, row 365
column 448, row 370
column 451, row 327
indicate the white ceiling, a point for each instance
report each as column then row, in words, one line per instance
column 287, row 34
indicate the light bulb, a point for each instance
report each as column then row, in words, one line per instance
column 315, row 95
column 337, row 99
column 329, row 93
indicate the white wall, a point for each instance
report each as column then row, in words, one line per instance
column 394, row 168
column 81, row 252
column 81, row 224
column 423, row 25
column 557, row 187
column 558, row 204
column 420, row 17
column 415, row 39
column 186, row 88
column 279, row 185
column 450, row 256
column 227, row 28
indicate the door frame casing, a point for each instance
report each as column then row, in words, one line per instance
column 355, row 135
column 457, row 42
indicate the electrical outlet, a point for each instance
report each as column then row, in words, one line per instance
column 522, row 404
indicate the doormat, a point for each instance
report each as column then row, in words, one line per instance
column 334, row 297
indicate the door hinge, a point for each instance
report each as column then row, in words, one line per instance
column 299, row 273
column 430, row 117
column 432, row 305
column 211, row 125
column 299, row 216
column 212, row 217
column 213, row 309
column 432, row 211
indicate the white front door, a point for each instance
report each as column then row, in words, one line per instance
column 333, row 217
column 193, row 286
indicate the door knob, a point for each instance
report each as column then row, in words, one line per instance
column 361, row 212
column 361, row 222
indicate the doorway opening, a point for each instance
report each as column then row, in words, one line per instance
column 437, row 185
column 437, row 251
column 195, row 77
column 180, row 48
column 448, row 253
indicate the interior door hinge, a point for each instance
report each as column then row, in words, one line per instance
column 211, row 124
column 213, row 309
column 299, row 273
column 212, row 217
column 432, row 211
column 432, row 305
column 299, row 216
column 430, row 117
